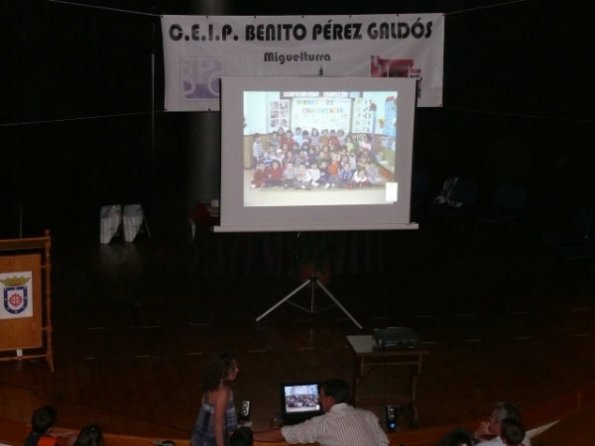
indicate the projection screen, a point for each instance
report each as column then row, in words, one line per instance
column 316, row 153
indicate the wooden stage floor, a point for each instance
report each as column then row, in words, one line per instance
column 134, row 325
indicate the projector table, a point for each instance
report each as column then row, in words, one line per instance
column 368, row 355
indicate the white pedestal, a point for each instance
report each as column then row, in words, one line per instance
column 110, row 218
column 133, row 220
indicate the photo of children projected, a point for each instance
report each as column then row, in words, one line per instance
column 301, row 398
column 320, row 148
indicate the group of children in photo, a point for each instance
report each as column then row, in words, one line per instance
column 303, row 159
column 302, row 401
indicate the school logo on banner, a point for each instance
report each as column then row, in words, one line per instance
column 200, row 78
column 16, row 295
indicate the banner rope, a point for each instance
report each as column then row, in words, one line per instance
column 128, row 11
column 106, row 8
column 518, row 115
column 80, row 118
column 446, row 108
column 479, row 8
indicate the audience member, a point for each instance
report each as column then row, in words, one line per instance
column 512, row 432
column 458, row 437
column 217, row 418
column 341, row 424
column 489, row 432
column 43, row 421
column 90, row 435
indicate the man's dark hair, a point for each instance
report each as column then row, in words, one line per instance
column 43, row 419
column 512, row 431
column 458, row 437
column 90, row 435
column 336, row 388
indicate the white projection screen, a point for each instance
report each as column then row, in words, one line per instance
column 316, row 153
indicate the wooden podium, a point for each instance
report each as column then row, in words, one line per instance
column 25, row 299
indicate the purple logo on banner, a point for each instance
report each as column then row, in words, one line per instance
column 200, row 78
column 15, row 299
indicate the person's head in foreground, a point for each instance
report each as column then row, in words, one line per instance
column 91, row 435
column 43, row 419
column 502, row 410
column 512, row 432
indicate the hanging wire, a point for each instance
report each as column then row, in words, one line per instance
column 106, row 8
column 479, row 8
column 520, row 115
column 80, row 118
column 83, row 118
column 460, row 109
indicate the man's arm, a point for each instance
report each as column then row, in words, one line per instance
column 269, row 435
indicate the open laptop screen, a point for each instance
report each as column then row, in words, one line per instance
column 299, row 401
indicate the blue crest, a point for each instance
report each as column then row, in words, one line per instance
column 15, row 299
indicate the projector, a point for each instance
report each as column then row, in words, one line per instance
column 395, row 338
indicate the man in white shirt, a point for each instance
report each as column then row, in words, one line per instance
column 341, row 424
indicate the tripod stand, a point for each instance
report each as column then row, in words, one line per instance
column 313, row 282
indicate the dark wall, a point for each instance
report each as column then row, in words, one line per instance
column 78, row 129
column 81, row 131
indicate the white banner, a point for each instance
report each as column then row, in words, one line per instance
column 198, row 50
column 17, row 295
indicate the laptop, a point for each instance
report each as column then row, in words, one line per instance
column 299, row 402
